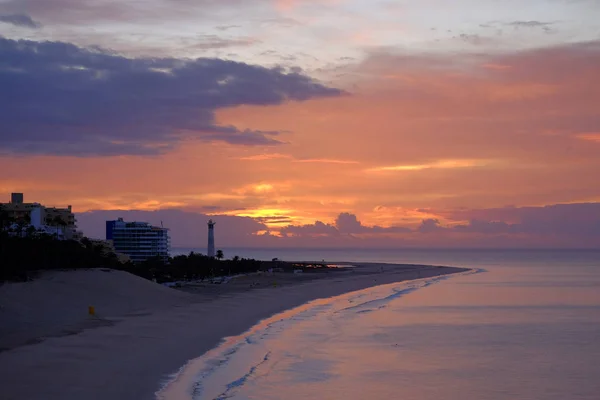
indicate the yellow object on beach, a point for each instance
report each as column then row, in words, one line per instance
column 91, row 310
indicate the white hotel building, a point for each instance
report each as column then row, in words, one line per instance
column 139, row 240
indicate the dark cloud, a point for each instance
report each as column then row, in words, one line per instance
column 210, row 208
column 349, row 223
column 474, row 39
column 23, row 20
column 62, row 99
column 529, row 24
column 207, row 42
column 486, row 227
column 571, row 225
column 573, row 220
column 429, row 225
column 317, row 229
column 345, row 224
column 227, row 27
column 546, row 26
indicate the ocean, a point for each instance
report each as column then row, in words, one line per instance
column 522, row 324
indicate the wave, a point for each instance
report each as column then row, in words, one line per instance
column 231, row 387
column 227, row 357
column 397, row 292
column 372, row 305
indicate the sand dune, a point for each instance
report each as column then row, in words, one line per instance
column 57, row 303
column 144, row 331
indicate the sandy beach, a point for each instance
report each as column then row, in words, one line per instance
column 143, row 332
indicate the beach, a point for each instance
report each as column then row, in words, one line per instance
column 522, row 327
column 143, row 332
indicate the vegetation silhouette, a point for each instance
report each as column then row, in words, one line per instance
column 24, row 252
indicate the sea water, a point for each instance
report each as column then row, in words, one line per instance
column 520, row 325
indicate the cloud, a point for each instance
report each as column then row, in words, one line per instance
column 561, row 225
column 349, row 223
column 205, row 42
column 317, row 229
column 65, row 100
column 578, row 220
column 441, row 164
column 23, row 20
column 82, row 11
column 324, row 161
column 77, row 12
column 517, row 25
column 345, row 224
column 429, row 225
column 483, row 106
column 227, row 27
column 474, row 39
column 569, row 225
column 546, row 26
column 430, row 120
column 277, row 156
column 591, row 137
column 265, row 157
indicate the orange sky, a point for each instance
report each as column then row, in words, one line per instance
column 417, row 136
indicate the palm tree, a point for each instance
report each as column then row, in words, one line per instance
column 87, row 243
column 22, row 223
column 58, row 222
column 5, row 219
column 31, row 231
column 219, row 255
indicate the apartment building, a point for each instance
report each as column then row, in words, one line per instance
column 139, row 240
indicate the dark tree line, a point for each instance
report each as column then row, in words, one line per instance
column 193, row 267
column 24, row 252
column 21, row 258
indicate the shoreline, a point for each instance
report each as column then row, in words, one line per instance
column 135, row 354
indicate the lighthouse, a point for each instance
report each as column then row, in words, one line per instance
column 211, row 238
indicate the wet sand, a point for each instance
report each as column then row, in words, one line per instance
column 144, row 332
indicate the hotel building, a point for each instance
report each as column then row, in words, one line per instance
column 42, row 217
column 139, row 240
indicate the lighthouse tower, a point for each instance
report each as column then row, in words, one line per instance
column 211, row 238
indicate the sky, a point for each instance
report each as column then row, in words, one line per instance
column 309, row 123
